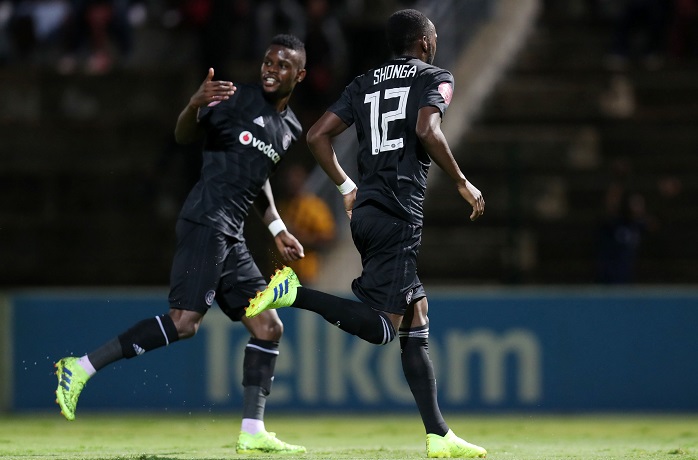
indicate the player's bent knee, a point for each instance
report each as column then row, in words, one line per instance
column 186, row 328
column 187, row 331
column 187, row 322
column 266, row 327
column 272, row 332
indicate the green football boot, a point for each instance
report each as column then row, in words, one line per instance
column 265, row 442
column 451, row 446
column 281, row 292
column 71, row 380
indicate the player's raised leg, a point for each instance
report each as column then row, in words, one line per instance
column 351, row 316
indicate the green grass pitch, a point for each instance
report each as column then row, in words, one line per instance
column 212, row 436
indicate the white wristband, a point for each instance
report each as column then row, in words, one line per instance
column 347, row 187
column 277, row 227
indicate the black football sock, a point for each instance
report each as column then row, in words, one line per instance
column 350, row 316
column 257, row 375
column 106, row 354
column 254, row 401
column 419, row 372
column 146, row 335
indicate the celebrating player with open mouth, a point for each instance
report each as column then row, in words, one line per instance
column 248, row 129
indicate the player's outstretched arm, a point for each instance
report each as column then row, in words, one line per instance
column 209, row 93
column 432, row 138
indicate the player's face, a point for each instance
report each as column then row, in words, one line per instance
column 281, row 71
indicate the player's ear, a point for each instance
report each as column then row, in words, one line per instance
column 425, row 43
column 300, row 76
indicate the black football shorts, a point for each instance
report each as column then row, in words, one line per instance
column 209, row 265
column 388, row 248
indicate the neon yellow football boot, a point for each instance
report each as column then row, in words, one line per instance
column 71, row 380
column 281, row 292
column 265, row 442
column 451, row 446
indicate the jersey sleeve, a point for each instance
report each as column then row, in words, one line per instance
column 438, row 90
column 218, row 114
column 342, row 108
column 205, row 114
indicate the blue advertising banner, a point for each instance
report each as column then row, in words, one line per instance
column 492, row 350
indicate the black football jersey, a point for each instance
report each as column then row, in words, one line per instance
column 384, row 103
column 246, row 138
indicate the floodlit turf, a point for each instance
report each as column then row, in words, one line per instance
column 212, row 437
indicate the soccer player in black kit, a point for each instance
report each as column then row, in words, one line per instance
column 397, row 109
column 248, row 129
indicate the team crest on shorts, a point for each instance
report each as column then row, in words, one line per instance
column 408, row 297
column 210, row 295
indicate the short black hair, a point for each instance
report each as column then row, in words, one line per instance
column 404, row 27
column 291, row 42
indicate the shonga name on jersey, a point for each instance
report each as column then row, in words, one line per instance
column 393, row 71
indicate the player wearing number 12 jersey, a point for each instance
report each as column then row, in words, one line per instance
column 384, row 105
column 397, row 110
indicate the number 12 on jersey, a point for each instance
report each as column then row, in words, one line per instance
column 379, row 133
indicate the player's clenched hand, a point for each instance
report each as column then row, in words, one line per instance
column 473, row 196
column 289, row 247
column 211, row 92
column 349, row 200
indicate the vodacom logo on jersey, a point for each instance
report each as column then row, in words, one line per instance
column 246, row 138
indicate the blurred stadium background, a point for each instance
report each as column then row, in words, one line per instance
column 576, row 118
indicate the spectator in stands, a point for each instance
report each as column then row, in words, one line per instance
column 640, row 30
column 98, row 27
column 621, row 231
column 32, row 24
